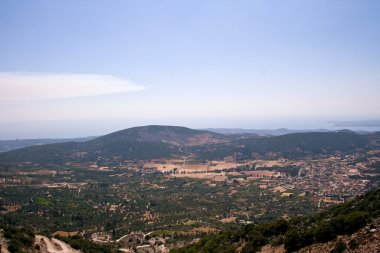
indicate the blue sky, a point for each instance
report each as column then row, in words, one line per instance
column 76, row 68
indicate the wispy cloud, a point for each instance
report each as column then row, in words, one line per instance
column 26, row 85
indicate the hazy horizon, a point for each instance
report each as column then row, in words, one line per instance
column 83, row 68
column 78, row 129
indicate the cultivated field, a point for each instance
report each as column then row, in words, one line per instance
column 183, row 167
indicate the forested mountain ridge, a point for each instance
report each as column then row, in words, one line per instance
column 152, row 142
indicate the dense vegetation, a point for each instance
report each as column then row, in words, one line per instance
column 19, row 239
column 295, row 145
column 295, row 233
column 179, row 204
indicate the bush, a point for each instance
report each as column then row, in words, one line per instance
column 353, row 244
column 292, row 240
column 324, row 232
column 274, row 228
column 296, row 239
column 339, row 247
column 19, row 238
column 14, row 246
column 350, row 223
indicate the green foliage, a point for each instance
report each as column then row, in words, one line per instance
column 20, row 239
column 256, row 240
column 324, row 232
column 273, row 228
column 178, row 201
column 42, row 201
column 215, row 244
column 339, row 247
column 344, row 219
column 255, row 236
column 300, row 232
column 295, row 239
column 349, row 223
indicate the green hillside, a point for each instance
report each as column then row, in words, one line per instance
column 151, row 142
column 155, row 133
column 297, row 232
column 291, row 145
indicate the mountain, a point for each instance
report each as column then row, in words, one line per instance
column 153, row 142
column 273, row 132
column 262, row 132
column 374, row 139
column 175, row 135
column 314, row 142
column 292, row 145
column 352, row 225
column 150, row 142
column 8, row 145
column 146, row 142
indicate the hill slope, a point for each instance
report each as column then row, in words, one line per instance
column 291, row 145
column 8, row 145
column 296, row 233
column 147, row 142
column 152, row 142
column 175, row 135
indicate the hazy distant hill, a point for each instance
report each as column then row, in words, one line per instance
column 262, row 132
column 313, row 143
column 293, row 145
column 8, row 145
column 150, row 142
column 374, row 139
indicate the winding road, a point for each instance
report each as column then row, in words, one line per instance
column 55, row 246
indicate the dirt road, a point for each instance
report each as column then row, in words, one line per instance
column 54, row 245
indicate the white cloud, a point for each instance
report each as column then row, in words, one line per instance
column 21, row 86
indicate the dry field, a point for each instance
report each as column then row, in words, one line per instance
column 66, row 234
column 170, row 165
column 194, row 231
column 276, row 163
column 229, row 220
column 162, row 167
column 211, row 176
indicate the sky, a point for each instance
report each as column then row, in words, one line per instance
column 89, row 67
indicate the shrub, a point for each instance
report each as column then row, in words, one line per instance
column 339, row 247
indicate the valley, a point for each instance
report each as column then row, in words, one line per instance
column 165, row 203
column 195, row 126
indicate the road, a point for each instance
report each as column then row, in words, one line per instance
column 54, row 245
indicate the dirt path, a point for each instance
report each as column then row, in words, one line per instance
column 54, row 245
